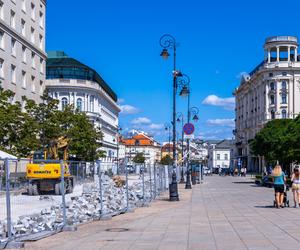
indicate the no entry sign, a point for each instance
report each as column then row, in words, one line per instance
column 188, row 128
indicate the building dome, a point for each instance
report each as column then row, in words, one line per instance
column 60, row 66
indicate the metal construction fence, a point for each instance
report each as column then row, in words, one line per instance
column 98, row 191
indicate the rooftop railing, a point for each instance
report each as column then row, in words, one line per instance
column 282, row 38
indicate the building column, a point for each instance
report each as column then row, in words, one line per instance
column 289, row 53
column 269, row 55
column 296, row 54
column 267, row 102
column 75, row 95
column 278, row 53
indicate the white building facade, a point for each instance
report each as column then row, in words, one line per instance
column 22, row 47
column 72, row 82
column 219, row 155
column 270, row 91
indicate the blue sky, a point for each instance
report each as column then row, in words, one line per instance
column 217, row 40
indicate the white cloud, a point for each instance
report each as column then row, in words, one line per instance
column 216, row 134
column 141, row 121
column 155, row 126
column 128, row 109
column 121, row 100
column 226, row 103
column 221, row 122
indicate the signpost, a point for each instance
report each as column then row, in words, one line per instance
column 188, row 128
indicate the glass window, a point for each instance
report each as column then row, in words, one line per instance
column 283, row 114
column 64, row 103
column 33, row 60
column 41, row 41
column 272, row 86
column 270, row 74
column 79, row 104
column 32, row 83
column 218, row 157
column 283, row 85
column 23, row 79
column 1, row 9
column 12, row 19
column 272, row 99
column 32, row 35
column 13, row 47
column 1, row 67
column 41, row 65
column 1, row 39
column 24, row 53
column 283, row 98
column 32, row 11
column 13, row 73
column 272, row 114
column 226, row 156
column 23, row 27
column 41, row 19
column 41, row 87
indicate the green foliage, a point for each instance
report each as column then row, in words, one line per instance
column 139, row 158
column 24, row 132
column 166, row 160
column 278, row 141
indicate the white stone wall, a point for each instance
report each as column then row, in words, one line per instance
column 222, row 161
column 22, row 47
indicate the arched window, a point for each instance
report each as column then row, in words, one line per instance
column 92, row 104
column 283, row 98
column 272, row 99
column 64, row 103
column 272, row 114
column 79, row 104
column 283, row 114
column 272, row 86
column 283, row 85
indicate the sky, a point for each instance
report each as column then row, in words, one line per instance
column 216, row 41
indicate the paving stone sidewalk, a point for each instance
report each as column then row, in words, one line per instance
column 222, row 213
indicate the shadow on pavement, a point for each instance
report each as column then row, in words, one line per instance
column 269, row 206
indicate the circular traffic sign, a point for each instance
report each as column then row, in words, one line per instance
column 188, row 128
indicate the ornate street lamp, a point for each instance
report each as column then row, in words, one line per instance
column 168, row 42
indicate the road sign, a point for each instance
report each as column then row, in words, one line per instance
column 188, row 128
column 191, row 137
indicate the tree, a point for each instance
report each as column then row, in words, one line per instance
column 274, row 142
column 139, row 158
column 166, row 160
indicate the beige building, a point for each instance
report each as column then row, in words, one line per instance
column 270, row 91
column 22, row 47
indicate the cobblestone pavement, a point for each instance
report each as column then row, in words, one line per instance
column 222, row 213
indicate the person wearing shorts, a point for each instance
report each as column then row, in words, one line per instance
column 296, row 186
column 279, row 180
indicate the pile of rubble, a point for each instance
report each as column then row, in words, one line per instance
column 83, row 208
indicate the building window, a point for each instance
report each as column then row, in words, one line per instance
column 92, row 104
column 226, row 157
column 41, row 19
column 32, row 83
column 64, row 103
column 13, row 47
column 284, row 73
column 41, row 87
column 41, row 65
column 272, row 99
column 272, row 86
column 270, row 74
column 283, row 98
column 24, row 5
column 283, row 114
column 218, row 157
column 24, row 54
column 41, row 41
column 13, row 73
column 24, row 79
column 12, row 19
column 33, row 60
column 1, row 39
column 272, row 114
column 32, row 35
column 1, row 68
column 79, row 104
column 283, row 85
column 1, row 9
column 23, row 27
column 32, row 11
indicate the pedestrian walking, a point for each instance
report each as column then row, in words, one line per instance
column 296, row 186
column 242, row 171
column 278, row 180
column 245, row 171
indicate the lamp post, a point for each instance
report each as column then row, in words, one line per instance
column 180, row 119
column 168, row 42
column 185, row 91
column 119, row 129
column 168, row 128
